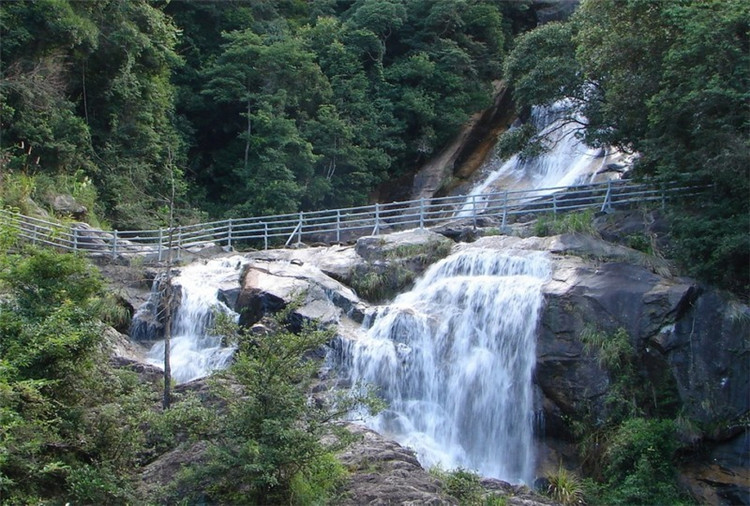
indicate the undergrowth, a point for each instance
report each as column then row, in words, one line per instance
column 575, row 222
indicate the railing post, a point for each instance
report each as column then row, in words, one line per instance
column 75, row 238
column 299, row 234
column 377, row 218
column 421, row 212
column 663, row 197
column 338, row 225
column 179, row 243
column 474, row 210
column 161, row 241
column 229, row 235
column 607, row 205
column 505, row 210
column 265, row 235
column 114, row 244
column 554, row 203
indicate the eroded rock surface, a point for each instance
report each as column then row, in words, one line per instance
column 382, row 472
column 267, row 287
column 691, row 342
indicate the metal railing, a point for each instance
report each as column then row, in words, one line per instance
column 338, row 225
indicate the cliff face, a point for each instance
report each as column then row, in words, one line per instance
column 690, row 343
column 691, row 355
column 471, row 147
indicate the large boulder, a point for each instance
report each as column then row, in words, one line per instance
column 392, row 262
column 66, row 205
column 691, row 343
column 418, row 242
column 338, row 262
column 268, row 287
column 383, row 472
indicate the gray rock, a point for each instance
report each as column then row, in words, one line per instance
column 383, row 472
column 338, row 262
column 400, row 244
column 268, row 287
column 66, row 205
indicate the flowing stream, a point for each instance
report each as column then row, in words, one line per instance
column 454, row 359
column 566, row 162
column 194, row 351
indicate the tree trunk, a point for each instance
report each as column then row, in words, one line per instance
column 167, row 400
column 247, row 138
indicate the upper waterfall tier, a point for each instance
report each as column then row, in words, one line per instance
column 566, row 161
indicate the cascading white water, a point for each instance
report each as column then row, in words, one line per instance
column 567, row 162
column 454, row 358
column 194, row 351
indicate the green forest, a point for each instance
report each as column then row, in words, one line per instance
column 249, row 107
column 252, row 107
column 234, row 108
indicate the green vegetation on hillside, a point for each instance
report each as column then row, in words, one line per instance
column 74, row 428
column 251, row 107
column 630, row 456
column 70, row 427
column 671, row 81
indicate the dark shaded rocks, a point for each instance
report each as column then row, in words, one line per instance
column 691, row 343
column 724, row 477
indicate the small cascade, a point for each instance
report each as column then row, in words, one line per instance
column 567, row 162
column 194, row 351
column 454, row 360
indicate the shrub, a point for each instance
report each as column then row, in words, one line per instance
column 565, row 487
column 638, row 463
column 462, row 484
column 581, row 222
column 269, row 450
column 381, row 283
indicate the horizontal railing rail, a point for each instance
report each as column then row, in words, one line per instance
column 339, row 225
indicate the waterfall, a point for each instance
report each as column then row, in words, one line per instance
column 454, row 359
column 194, row 351
column 567, row 162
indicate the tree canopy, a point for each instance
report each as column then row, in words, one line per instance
column 250, row 107
column 671, row 81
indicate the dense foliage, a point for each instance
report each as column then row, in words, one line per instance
column 267, row 444
column 247, row 106
column 75, row 429
column 671, row 81
column 631, row 454
column 70, row 427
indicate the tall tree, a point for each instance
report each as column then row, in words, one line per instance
column 669, row 80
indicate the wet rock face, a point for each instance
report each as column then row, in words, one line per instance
column 708, row 349
column 583, row 297
column 701, row 338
